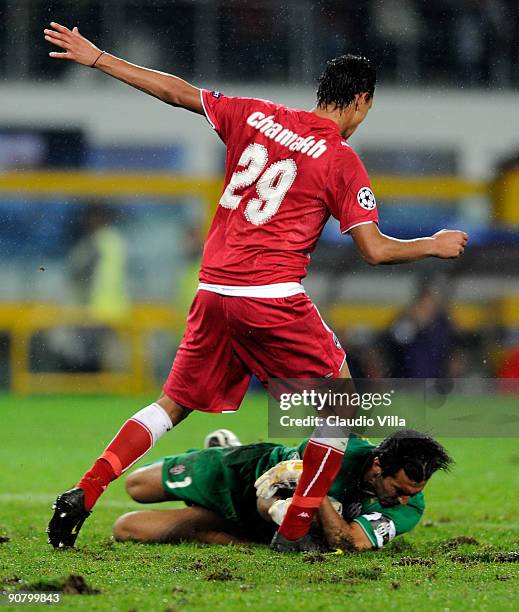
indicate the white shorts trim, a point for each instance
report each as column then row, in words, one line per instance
column 276, row 290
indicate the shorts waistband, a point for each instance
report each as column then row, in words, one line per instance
column 276, row 290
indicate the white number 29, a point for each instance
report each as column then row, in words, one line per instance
column 271, row 186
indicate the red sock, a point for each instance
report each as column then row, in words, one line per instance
column 95, row 481
column 321, row 464
column 130, row 443
column 133, row 440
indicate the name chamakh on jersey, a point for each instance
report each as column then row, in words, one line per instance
column 287, row 171
column 285, row 137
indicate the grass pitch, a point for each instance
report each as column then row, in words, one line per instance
column 462, row 555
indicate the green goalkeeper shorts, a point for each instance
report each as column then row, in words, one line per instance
column 222, row 480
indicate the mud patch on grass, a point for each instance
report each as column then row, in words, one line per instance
column 453, row 543
column 369, row 573
column 245, row 550
column 72, row 585
column 352, row 576
column 77, row 585
column 53, row 586
column 506, row 557
column 10, row 581
column 314, row 557
column 91, row 554
column 406, row 561
column 487, row 557
column 216, row 568
column 222, row 575
column 212, row 563
column 4, row 539
column 198, row 565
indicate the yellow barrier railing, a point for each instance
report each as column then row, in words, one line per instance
column 165, row 187
column 88, row 184
column 506, row 198
column 504, row 192
column 466, row 316
column 23, row 321
column 427, row 188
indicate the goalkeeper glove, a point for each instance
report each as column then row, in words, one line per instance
column 283, row 475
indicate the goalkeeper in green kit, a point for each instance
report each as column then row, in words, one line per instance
column 240, row 493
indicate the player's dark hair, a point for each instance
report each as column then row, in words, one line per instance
column 343, row 78
column 416, row 453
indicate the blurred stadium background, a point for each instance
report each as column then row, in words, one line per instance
column 106, row 194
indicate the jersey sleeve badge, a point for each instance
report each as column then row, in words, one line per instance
column 366, row 198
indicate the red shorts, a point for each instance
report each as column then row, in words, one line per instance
column 228, row 339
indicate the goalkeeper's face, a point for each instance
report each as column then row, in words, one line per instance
column 396, row 489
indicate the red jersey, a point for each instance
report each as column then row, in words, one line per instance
column 286, row 171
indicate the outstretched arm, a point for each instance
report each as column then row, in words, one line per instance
column 377, row 248
column 165, row 87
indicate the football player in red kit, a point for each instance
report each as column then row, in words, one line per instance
column 287, row 171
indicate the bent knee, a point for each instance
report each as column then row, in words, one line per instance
column 144, row 485
column 124, row 528
column 135, row 485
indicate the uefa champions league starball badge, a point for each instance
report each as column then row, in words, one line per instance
column 366, row 198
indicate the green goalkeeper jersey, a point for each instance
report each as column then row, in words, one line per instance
column 222, row 480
